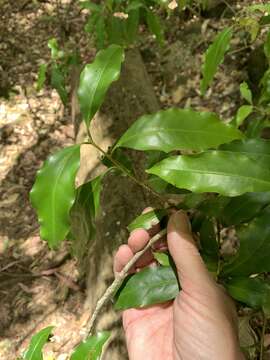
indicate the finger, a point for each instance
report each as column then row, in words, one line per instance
column 123, row 255
column 138, row 239
column 191, row 269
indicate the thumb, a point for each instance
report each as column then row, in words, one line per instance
column 192, row 272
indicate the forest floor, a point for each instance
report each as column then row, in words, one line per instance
column 39, row 287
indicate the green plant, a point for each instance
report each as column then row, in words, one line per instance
column 221, row 169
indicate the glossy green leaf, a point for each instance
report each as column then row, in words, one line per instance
column 254, row 253
column 163, row 187
column 214, row 56
column 178, row 129
column 227, row 173
column 41, row 76
column 100, row 32
column 96, row 78
column 132, row 25
column 83, row 215
column 162, row 258
column 148, row 220
column 155, row 26
column 242, row 113
column 246, row 92
column 91, row 348
column 256, row 149
column 34, row 351
column 53, row 194
column 153, row 285
column 253, row 292
column 243, row 208
column 267, row 46
column 58, row 83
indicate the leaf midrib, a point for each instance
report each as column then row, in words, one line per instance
column 37, row 344
column 220, row 174
column 97, row 84
column 158, row 129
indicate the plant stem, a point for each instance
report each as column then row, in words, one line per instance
column 125, row 170
column 262, row 336
column 119, row 278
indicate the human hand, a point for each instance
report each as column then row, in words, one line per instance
column 200, row 324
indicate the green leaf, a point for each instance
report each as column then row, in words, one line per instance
column 259, row 7
column 83, row 214
column 208, row 239
column 116, row 30
column 132, row 25
column 255, row 127
column 246, row 92
column 58, row 83
column 34, row 351
column 245, row 207
column 162, row 258
column 91, row 348
column 96, row 78
column 41, row 76
column 213, row 206
column 53, row 194
column 265, row 92
column 100, row 32
column 242, row 113
column 227, row 173
column 135, row 5
column 163, row 187
column 214, row 56
column 91, row 23
column 148, row 220
column 256, row 149
column 267, row 46
column 253, row 255
column 90, row 6
column 253, row 292
column 178, row 129
column 155, row 26
column 56, row 53
column 153, row 285
column 252, row 26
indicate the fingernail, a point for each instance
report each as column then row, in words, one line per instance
column 181, row 222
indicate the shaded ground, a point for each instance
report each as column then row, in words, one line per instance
column 40, row 287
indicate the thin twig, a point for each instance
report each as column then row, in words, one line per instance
column 118, row 281
column 125, row 170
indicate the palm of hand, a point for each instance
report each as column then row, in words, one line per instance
column 149, row 332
